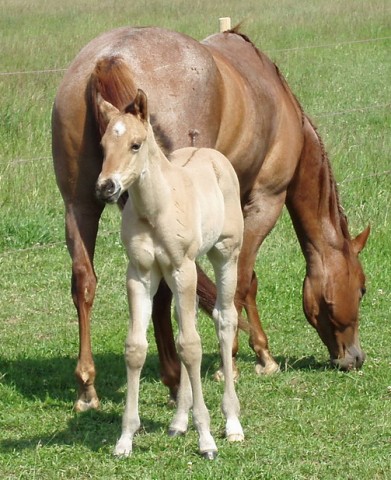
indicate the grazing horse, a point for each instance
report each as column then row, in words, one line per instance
column 177, row 210
column 225, row 94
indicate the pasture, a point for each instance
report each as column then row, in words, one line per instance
column 308, row 422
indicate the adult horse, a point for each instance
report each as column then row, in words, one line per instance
column 226, row 94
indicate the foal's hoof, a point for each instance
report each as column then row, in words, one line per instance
column 209, row 454
column 235, row 437
column 173, row 432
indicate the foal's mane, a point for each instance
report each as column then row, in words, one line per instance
column 112, row 78
column 334, row 202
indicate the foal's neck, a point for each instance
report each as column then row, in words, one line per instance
column 150, row 191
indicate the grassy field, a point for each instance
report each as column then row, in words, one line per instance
column 309, row 422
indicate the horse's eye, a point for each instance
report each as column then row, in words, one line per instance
column 135, row 147
column 363, row 291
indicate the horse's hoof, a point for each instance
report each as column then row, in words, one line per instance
column 209, row 454
column 83, row 405
column 268, row 369
column 235, row 437
column 173, row 432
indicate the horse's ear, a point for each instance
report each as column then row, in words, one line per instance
column 106, row 109
column 361, row 239
column 139, row 106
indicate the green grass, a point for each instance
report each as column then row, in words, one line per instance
column 308, row 422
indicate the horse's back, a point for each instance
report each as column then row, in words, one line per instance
column 176, row 72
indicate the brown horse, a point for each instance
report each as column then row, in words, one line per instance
column 226, row 94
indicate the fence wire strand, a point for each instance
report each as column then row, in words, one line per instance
column 290, row 49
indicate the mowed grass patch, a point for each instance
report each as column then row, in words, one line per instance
column 309, row 422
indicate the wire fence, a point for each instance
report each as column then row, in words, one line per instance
column 290, row 49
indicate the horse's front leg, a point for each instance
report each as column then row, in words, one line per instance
column 183, row 283
column 260, row 216
column 141, row 289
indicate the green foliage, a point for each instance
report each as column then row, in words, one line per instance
column 309, row 422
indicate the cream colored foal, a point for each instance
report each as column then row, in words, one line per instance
column 178, row 209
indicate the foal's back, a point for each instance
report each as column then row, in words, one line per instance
column 215, row 193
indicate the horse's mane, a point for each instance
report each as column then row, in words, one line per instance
column 334, row 201
column 324, row 157
column 112, row 78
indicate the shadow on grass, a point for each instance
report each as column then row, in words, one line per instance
column 306, row 363
column 53, row 378
column 51, row 381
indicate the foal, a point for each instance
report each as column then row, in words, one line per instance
column 177, row 210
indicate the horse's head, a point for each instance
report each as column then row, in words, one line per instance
column 124, row 146
column 332, row 293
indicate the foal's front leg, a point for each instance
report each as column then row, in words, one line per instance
column 226, row 319
column 141, row 289
column 183, row 283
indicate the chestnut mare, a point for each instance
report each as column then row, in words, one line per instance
column 177, row 210
column 225, row 94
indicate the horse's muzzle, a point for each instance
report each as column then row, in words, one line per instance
column 108, row 191
column 354, row 358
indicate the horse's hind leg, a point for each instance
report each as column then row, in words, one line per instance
column 170, row 368
column 81, row 230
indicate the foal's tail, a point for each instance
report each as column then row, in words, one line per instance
column 206, row 290
column 113, row 79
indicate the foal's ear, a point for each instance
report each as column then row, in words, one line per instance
column 139, row 106
column 106, row 109
column 361, row 239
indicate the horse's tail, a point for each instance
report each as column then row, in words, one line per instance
column 206, row 290
column 113, row 79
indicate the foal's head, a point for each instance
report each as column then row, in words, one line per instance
column 124, row 146
column 332, row 293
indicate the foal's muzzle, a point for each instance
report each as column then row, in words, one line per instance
column 108, row 191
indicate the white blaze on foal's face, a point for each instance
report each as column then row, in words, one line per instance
column 119, row 128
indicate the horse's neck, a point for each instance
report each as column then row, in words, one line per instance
column 149, row 191
column 313, row 202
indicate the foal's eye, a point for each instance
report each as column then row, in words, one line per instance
column 135, row 147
